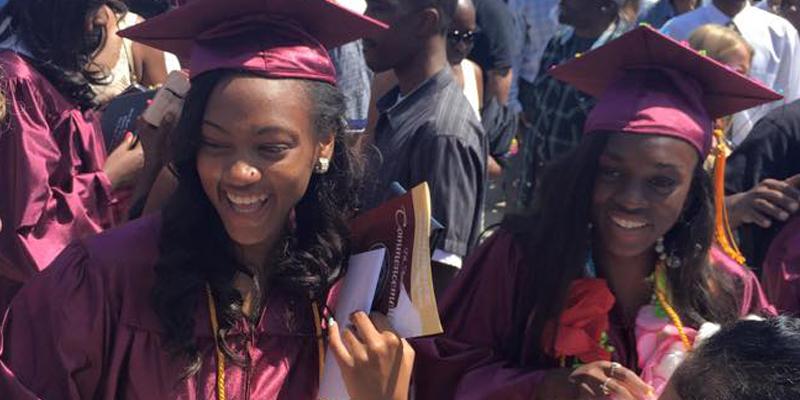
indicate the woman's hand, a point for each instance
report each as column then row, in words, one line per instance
column 375, row 362
column 597, row 380
column 155, row 140
column 124, row 163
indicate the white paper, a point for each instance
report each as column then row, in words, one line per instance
column 356, row 294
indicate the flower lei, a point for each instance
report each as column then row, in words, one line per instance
column 581, row 335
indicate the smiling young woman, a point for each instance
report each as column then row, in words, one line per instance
column 601, row 288
column 222, row 295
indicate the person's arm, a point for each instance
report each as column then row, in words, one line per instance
column 479, row 81
column 496, row 23
column 788, row 77
column 454, row 173
column 470, row 360
column 498, row 84
column 48, row 194
column 54, row 336
column 150, row 63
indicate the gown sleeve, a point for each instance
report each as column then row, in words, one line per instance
column 56, row 331
column 465, row 362
column 53, row 189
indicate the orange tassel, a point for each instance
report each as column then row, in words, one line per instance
column 722, row 229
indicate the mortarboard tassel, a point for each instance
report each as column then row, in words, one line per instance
column 722, row 229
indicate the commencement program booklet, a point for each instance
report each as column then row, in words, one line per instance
column 390, row 272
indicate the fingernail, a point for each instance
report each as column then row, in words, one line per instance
column 794, row 206
column 331, row 321
column 784, row 215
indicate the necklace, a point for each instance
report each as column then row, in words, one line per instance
column 661, row 292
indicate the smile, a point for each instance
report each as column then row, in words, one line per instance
column 627, row 223
column 246, row 204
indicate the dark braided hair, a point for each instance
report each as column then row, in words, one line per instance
column 54, row 31
column 196, row 250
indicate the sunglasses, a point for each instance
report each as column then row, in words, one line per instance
column 456, row 36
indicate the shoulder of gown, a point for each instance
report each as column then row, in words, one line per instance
column 68, row 314
column 781, row 273
column 752, row 297
column 466, row 361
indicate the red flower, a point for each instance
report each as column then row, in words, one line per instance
column 582, row 324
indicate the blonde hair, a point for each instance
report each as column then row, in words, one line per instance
column 718, row 42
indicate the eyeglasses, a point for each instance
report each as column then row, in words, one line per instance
column 456, row 36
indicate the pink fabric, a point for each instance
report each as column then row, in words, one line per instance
column 753, row 299
column 781, row 274
column 654, row 101
column 52, row 186
column 84, row 329
column 659, row 346
column 468, row 362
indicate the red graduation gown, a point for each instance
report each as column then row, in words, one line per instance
column 84, row 329
column 52, row 186
column 466, row 361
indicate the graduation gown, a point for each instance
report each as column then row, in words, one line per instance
column 781, row 275
column 84, row 329
column 467, row 361
column 52, row 186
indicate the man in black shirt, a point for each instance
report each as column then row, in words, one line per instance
column 762, row 180
column 495, row 47
column 426, row 130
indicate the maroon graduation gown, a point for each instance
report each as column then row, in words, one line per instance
column 84, row 329
column 466, row 361
column 781, row 273
column 52, row 186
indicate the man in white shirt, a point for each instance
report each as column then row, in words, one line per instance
column 776, row 61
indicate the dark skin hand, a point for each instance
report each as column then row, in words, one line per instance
column 771, row 200
column 585, row 383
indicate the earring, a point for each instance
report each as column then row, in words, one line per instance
column 322, row 165
column 672, row 260
column 660, row 250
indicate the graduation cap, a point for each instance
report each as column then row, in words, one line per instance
column 273, row 38
column 648, row 83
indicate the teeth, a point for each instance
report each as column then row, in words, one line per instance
column 628, row 224
column 246, row 200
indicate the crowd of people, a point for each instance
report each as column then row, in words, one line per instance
column 643, row 157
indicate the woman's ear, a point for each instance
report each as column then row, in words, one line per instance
column 326, row 146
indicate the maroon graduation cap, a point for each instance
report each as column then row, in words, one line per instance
column 273, row 38
column 648, row 83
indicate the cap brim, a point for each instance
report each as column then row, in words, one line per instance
column 725, row 90
column 175, row 31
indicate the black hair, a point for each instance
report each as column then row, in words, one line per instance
column 446, row 9
column 54, row 32
column 748, row 360
column 196, row 250
column 555, row 234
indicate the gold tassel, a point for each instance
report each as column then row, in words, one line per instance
column 722, row 229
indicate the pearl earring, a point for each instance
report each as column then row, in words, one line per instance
column 322, row 165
